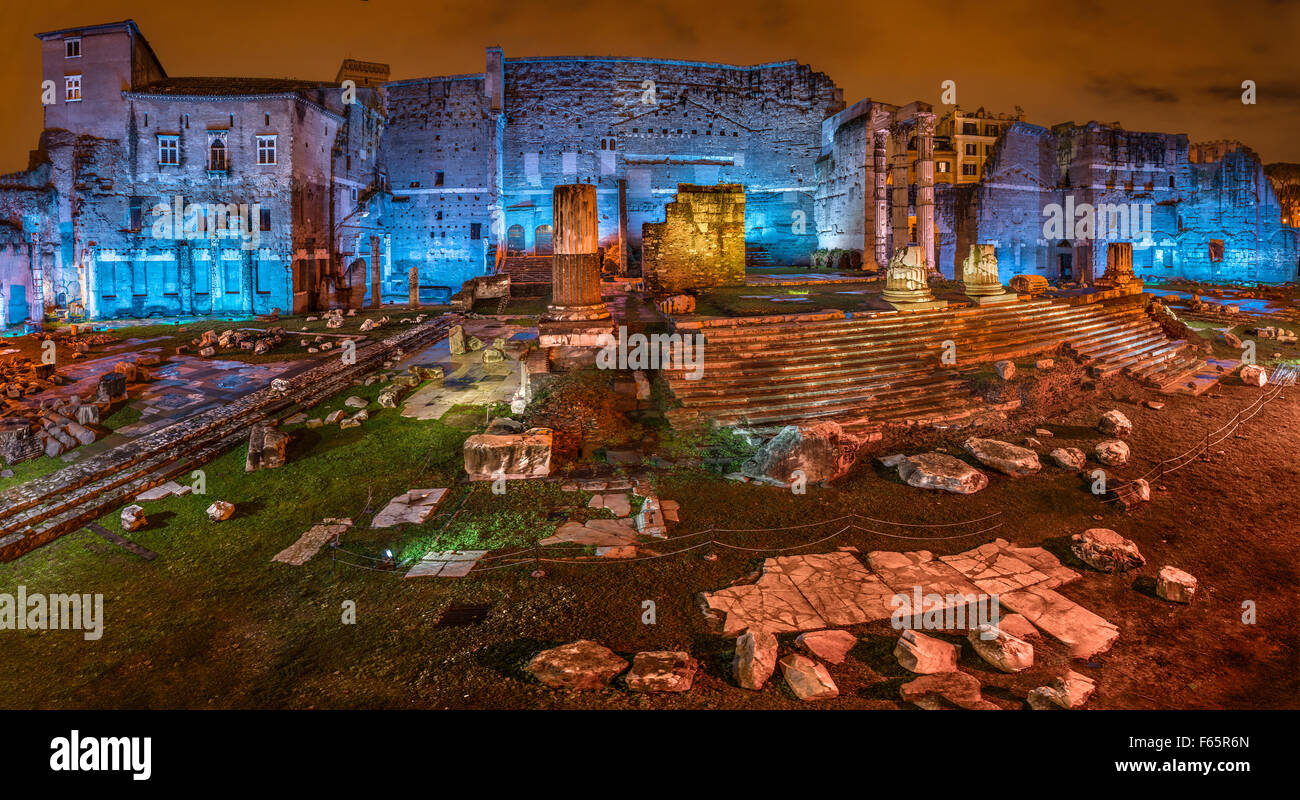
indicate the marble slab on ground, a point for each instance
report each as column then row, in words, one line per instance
column 164, row 490
column 446, row 564
column 773, row 604
column 1085, row 633
column 310, row 543
column 904, row 572
column 838, row 587
column 413, row 507
column 1000, row 566
column 595, row 533
column 466, row 381
column 619, row 504
column 818, row 590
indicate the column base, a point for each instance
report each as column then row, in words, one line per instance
column 574, row 333
column 585, row 313
column 993, row 299
column 917, row 305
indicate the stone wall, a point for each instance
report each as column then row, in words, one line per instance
column 440, row 147
column 700, row 243
column 1182, row 200
column 654, row 124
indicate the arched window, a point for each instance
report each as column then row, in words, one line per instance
column 217, row 157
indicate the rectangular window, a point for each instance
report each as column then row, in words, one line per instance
column 262, row 277
column 476, row 230
column 943, row 166
column 72, row 47
column 136, row 219
column 971, row 149
column 437, row 178
column 169, row 150
column 968, row 169
column 265, row 221
column 1216, row 249
column 202, row 271
column 970, row 129
column 266, row 149
column 139, row 283
column 71, row 88
column 231, row 275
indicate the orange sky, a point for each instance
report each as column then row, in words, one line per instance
column 1149, row 64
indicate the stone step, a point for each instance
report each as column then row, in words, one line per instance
column 882, row 323
column 1118, row 362
column 867, row 360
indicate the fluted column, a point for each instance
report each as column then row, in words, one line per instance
column 879, row 218
column 576, row 263
column 898, row 133
column 925, row 189
column 979, row 272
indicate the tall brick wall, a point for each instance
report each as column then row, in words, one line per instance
column 440, row 148
column 656, row 124
column 700, row 243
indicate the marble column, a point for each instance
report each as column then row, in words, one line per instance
column 376, row 293
column 898, row 198
column 1119, row 264
column 576, row 261
column 878, row 219
column 925, row 189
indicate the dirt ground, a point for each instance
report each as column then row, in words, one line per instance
column 213, row 624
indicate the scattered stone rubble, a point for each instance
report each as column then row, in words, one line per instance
column 940, row 471
column 578, row 665
column 925, row 655
column 945, row 690
column 133, row 518
column 755, row 659
column 1006, row 458
column 817, row 453
column 1000, row 649
column 1069, row 691
column 662, row 671
column 808, row 679
column 220, row 511
column 1174, row 585
column 258, row 342
column 1111, row 452
column 1106, row 551
column 508, row 451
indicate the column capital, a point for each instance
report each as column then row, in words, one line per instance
column 925, row 122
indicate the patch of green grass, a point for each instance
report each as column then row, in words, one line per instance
column 125, row 415
column 30, row 470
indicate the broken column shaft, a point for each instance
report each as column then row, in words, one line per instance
column 576, row 266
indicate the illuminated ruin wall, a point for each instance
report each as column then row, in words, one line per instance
column 442, row 174
column 700, row 243
column 440, row 150
column 653, row 124
column 1216, row 220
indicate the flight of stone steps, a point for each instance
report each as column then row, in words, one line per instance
column 530, row 276
column 872, row 369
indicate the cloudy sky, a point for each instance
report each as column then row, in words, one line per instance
column 1153, row 65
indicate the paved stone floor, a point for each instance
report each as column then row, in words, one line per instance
column 820, row 590
column 467, row 380
column 182, row 387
